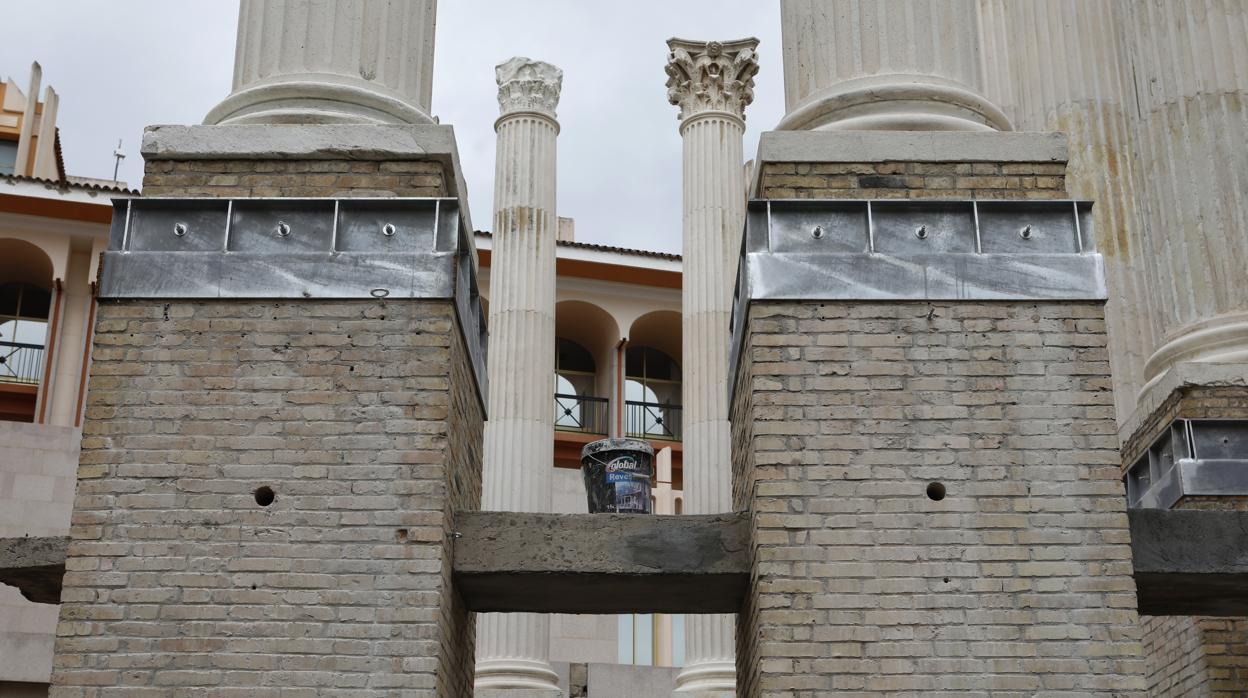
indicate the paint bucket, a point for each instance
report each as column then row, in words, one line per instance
column 617, row 476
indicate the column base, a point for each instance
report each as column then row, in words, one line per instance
column 895, row 102
column 517, row 693
column 516, row 677
column 718, row 678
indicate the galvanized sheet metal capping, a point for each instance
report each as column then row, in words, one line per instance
column 915, row 249
column 279, row 248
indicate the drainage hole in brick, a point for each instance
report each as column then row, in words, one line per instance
column 265, row 496
column 935, row 491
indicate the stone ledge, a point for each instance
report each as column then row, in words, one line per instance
column 1190, row 562
column 34, row 565
column 601, row 563
column 298, row 142
column 312, row 142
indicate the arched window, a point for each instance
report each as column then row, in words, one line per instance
column 23, row 331
column 652, row 394
column 576, row 407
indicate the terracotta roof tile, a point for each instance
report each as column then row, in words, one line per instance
column 604, row 248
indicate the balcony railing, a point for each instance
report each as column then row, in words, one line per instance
column 20, row 363
column 652, row 420
column 581, row 413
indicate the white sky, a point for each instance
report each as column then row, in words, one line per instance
column 120, row 65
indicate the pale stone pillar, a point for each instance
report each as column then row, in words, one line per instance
column 712, row 83
column 513, row 650
column 1062, row 65
column 331, row 61
column 907, row 65
column 1190, row 63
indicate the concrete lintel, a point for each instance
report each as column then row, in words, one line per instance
column 34, row 565
column 601, row 563
column 312, row 142
column 912, row 146
column 1190, row 562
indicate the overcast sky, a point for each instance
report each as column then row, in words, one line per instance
column 123, row 64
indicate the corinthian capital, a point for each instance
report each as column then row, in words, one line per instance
column 711, row 75
column 526, row 85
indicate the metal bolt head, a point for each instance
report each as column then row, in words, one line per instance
column 921, row 233
column 179, row 229
column 283, row 229
column 1025, row 233
column 817, row 233
column 388, row 230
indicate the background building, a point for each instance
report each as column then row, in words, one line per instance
column 52, row 230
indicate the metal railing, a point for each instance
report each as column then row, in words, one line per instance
column 652, row 420
column 20, row 363
column 581, row 413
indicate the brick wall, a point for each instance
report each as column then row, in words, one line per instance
column 360, row 415
column 750, row 631
column 294, row 178
column 1196, row 656
column 901, row 180
column 1016, row 583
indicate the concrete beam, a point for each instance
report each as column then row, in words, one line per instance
column 35, row 566
column 601, row 563
column 1190, row 562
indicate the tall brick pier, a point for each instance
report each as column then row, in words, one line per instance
column 923, row 431
column 285, row 413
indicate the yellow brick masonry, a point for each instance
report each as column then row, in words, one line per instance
column 1017, row 583
column 1196, row 656
column 360, row 415
column 295, row 178
column 903, row 180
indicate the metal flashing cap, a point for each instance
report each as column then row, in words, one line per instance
column 915, row 249
column 285, row 248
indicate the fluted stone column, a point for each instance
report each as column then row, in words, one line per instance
column 712, row 83
column 331, row 61
column 1062, row 65
column 1191, row 80
column 513, row 650
column 907, row 65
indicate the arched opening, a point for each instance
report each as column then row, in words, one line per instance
column 25, row 305
column 651, row 394
column 576, row 406
column 652, row 377
column 584, row 338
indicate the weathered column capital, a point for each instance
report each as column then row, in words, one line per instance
column 711, row 76
column 526, row 85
